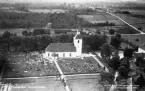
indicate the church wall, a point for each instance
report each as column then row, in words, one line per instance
column 61, row 54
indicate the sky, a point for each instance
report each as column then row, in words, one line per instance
column 72, row 0
column 67, row 1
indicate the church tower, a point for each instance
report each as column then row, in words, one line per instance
column 78, row 42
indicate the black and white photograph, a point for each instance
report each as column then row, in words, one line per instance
column 72, row 45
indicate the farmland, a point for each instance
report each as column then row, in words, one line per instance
column 137, row 22
column 100, row 18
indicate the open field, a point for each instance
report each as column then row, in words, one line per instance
column 76, row 83
column 101, row 18
column 23, row 65
column 51, row 85
column 47, row 10
column 79, row 66
column 137, row 22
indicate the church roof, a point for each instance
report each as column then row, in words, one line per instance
column 61, row 47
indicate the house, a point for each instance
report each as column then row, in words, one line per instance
column 65, row 50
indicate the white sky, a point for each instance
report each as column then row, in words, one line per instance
column 68, row 0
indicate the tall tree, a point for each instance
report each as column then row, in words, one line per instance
column 106, row 51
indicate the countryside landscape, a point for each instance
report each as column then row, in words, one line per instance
column 74, row 45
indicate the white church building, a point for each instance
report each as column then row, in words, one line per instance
column 65, row 50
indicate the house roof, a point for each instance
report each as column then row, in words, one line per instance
column 61, row 47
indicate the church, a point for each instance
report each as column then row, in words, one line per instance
column 65, row 50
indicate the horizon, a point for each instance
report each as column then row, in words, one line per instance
column 66, row 1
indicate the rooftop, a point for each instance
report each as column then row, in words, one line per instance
column 61, row 47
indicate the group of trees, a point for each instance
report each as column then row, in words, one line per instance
column 2, row 57
column 23, row 20
column 110, row 53
column 95, row 42
column 35, row 32
column 99, row 24
column 13, row 43
column 131, row 14
column 66, row 20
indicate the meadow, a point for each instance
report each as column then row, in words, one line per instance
column 47, row 10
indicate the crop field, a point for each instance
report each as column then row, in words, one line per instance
column 77, row 65
column 22, row 65
column 98, row 18
column 137, row 22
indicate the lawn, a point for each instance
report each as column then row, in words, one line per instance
column 28, row 66
column 79, row 66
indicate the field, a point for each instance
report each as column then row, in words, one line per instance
column 99, row 18
column 137, row 22
column 23, row 65
column 47, row 10
column 79, row 66
column 76, row 83
column 135, row 11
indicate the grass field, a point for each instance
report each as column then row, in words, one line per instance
column 22, row 65
column 99, row 18
column 78, row 65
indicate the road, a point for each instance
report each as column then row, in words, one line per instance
column 125, row 22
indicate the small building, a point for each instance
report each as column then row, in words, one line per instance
column 65, row 50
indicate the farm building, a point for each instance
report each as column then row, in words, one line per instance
column 64, row 50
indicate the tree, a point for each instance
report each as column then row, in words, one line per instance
column 6, row 34
column 2, row 57
column 128, row 52
column 116, row 41
column 123, row 71
column 140, row 81
column 38, row 31
column 125, row 62
column 114, row 62
column 139, row 28
column 111, row 31
column 106, row 51
column 25, row 33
